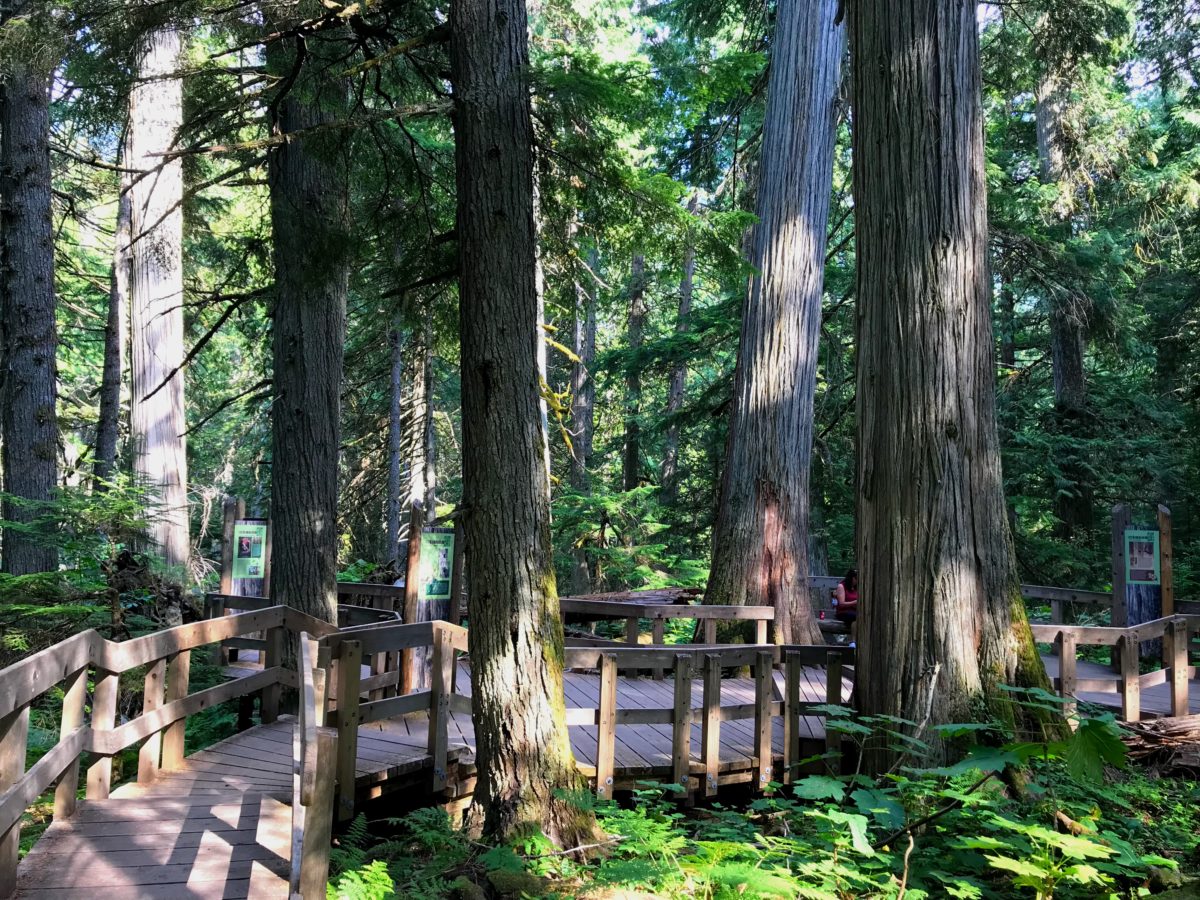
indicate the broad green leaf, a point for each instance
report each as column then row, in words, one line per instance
column 821, row 787
column 1094, row 743
column 858, row 830
column 884, row 808
column 1019, row 866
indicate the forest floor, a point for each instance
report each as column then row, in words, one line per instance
column 926, row 833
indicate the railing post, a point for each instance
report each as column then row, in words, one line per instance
column 681, row 724
column 1067, row 667
column 833, row 697
column 152, row 699
column 606, row 734
column 104, row 718
column 658, row 626
column 439, row 704
column 710, row 741
column 791, row 716
column 14, row 733
column 214, row 607
column 1178, row 641
column 269, row 710
column 348, row 680
column 74, row 697
column 710, row 631
column 1131, row 687
column 322, row 678
column 632, row 631
column 179, row 673
column 760, row 631
column 763, row 682
column 318, row 820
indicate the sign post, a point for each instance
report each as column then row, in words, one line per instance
column 245, row 560
column 430, row 582
column 1143, row 588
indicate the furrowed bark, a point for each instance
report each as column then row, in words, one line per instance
column 583, row 400
column 28, row 334
column 1069, row 315
column 516, row 638
column 157, row 420
column 760, row 542
column 309, row 184
column 942, row 621
column 108, row 427
column 678, row 383
column 395, row 441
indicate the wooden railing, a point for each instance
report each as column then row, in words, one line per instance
column 1175, row 633
column 354, row 705
column 689, row 663
column 314, row 751
column 166, row 656
column 658, row 613
column 632, row 614
column 1059, row 597
column 347, row 650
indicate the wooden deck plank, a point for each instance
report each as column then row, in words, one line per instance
column 238, row 846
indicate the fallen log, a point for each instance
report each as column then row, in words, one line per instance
column 677, row 595
column 1169, row 746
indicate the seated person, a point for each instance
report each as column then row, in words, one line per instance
column 845, row 598
column 845, row 604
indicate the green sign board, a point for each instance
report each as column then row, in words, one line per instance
column 437, row 563
column 250, row 549
column 1142, row 564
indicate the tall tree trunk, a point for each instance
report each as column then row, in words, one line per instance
column 309, row 185
column 157, row 421
column 942, row 620
column 583, row 402
column 583, row 387
column 108, row 427
column 28, row 335
column 635, row 332
column 1008, row 325
column 516, row 639
column 422, row 479
column 1069, row 315
column 395, row 442
column 678, row 382
column 760, row 542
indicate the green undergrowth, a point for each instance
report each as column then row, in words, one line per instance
column 1079, row 824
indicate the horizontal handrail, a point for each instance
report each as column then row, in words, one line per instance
column 615, row 609
column 363, row 589
column 41, row 775
column 1109, row 635
column 238, row 602
column 28, row 679
column 1065, row 595
column 111, row 741
column 646, row 656
column 121, row 657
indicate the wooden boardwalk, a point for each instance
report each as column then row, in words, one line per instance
column 251, row 815
column 222, row 843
